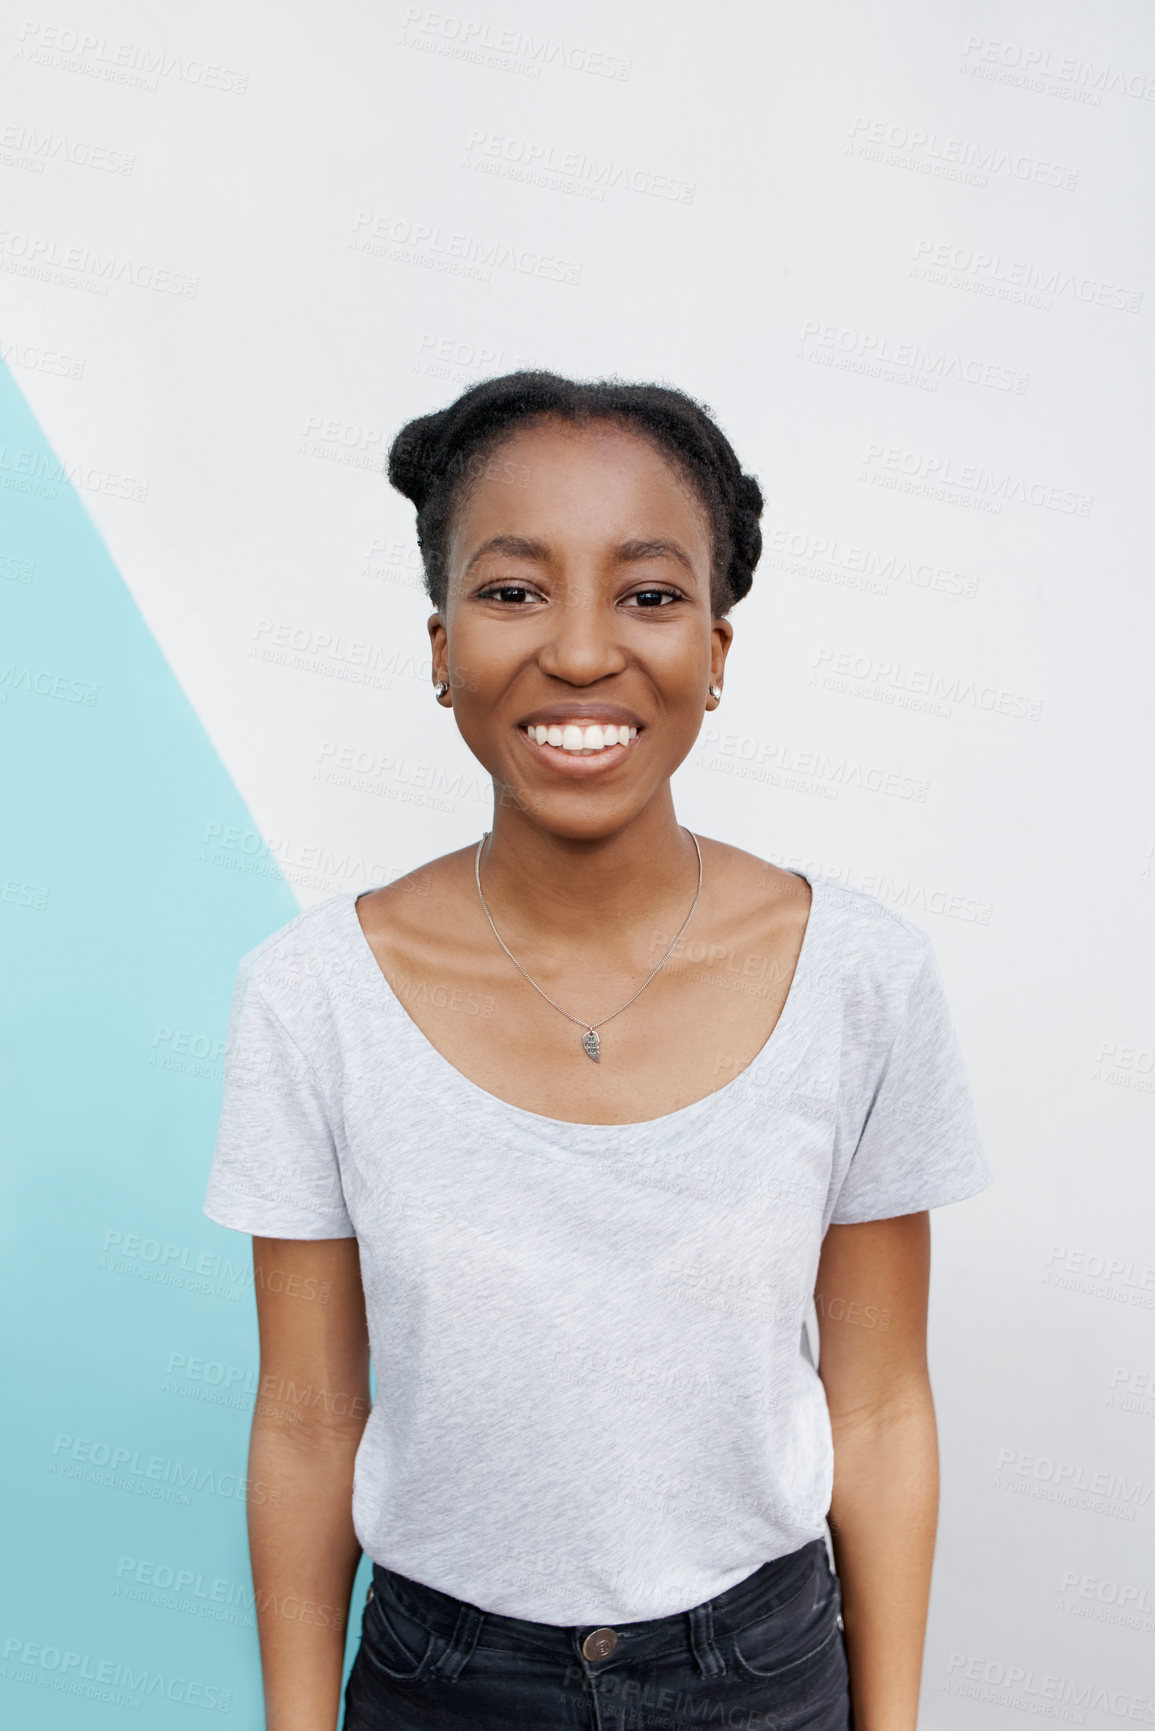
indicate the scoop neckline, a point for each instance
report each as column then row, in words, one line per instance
column 799, row 986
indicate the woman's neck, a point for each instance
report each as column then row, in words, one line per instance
column 543, row 885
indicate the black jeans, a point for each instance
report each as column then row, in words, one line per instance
column 767, row 1655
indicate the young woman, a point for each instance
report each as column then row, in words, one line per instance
column 568, row 1129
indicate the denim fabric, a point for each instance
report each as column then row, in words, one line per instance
column 767, row 1655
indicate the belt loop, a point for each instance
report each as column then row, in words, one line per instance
column 702, row 1644
column 461, row 1643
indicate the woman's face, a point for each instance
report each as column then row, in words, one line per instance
column 579, row 598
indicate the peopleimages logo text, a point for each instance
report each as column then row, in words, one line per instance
column 417, row 242
column 94, row 54
column 130, row 1463
column 997, row 485
column 1040, row 63
column 118, row 1682
column 928, row 149
column 1030, row 1689
column 1016, row 274
column 476, row 37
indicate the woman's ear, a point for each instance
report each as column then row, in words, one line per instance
column 439, row 645
column 721, row 638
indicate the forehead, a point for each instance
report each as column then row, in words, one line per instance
column 599, row 478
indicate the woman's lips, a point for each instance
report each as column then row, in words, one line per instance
column 578, row 735
column 580, row 749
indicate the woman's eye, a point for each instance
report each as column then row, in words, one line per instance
column 516, row 593
column 520, row 594
column 654, row 597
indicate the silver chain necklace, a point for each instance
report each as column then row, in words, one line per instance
column 591, row 1045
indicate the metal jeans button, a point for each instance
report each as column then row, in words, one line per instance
column 600, row 1644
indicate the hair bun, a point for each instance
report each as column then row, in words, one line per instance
column 745, row 535
column 413, row 465
column 748, row 496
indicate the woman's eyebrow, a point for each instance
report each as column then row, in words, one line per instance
column 515, row 546
column 633, row 550
column 627, row 553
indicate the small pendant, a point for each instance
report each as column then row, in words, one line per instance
column 593, row 1046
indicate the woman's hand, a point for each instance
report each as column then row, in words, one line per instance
column 871, row 1296
column 311, row 1407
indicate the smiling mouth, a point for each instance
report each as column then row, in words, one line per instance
column 585, row 739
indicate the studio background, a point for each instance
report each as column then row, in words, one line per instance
column 902, row 252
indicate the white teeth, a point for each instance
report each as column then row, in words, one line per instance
column 576, row 737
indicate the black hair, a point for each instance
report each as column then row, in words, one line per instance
column 432, row 456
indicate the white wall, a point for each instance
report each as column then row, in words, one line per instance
column 901, row 251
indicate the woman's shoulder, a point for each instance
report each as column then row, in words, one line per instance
column 317, row 935
column 872, row 955
column 309, row 932
column 308, row 967
column 420, row 899
column 866, row 924
column 863, row 955
column 859, row 919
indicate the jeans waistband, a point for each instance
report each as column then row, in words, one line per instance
column 762, row 1592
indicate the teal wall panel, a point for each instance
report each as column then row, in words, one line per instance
column 130, row 1321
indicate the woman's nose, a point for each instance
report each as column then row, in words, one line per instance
column 581, row 641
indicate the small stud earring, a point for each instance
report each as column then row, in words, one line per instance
column 440, row 688
column 716, row 693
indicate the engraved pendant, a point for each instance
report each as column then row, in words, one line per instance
column 593, row 1046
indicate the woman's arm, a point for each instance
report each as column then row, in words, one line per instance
column 871, row 1296
column 311, row 1407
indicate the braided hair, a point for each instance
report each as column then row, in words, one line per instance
column 433, row 456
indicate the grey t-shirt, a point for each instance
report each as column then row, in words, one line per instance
column 595, row 1402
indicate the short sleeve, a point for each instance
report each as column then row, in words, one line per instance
column 274, row 1170
column 920, row 1145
